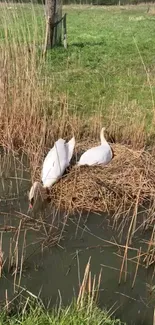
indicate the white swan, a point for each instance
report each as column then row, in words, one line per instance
column 54, row 165
column 97, row 155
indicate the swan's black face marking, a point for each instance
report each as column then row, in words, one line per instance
column 48, row 195
column 32, row 202
column 47, row 191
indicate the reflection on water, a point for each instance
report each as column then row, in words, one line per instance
column 51, row 270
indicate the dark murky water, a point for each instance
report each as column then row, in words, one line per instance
column 59, row 269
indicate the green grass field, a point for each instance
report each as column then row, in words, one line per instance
column 110, row 60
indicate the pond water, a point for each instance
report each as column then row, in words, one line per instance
column 55, row 272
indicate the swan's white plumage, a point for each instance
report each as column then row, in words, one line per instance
column 56, row 161
column 70, row 148
column 54, row 165
column 101, row 154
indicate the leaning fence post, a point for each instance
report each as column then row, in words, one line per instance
column 65, row 31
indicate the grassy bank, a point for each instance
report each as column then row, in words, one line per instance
column 83, row 310
column 63, row 316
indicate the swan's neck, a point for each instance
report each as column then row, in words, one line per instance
column 40, row 190
column 103, row 140
column 45, row 192
column 38, row 193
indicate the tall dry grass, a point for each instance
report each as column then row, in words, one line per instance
column 32, row 117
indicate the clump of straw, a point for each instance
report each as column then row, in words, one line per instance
column 126, row 181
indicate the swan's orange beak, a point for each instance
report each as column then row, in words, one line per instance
column 30, row 206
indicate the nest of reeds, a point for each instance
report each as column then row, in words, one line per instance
column 127, row 181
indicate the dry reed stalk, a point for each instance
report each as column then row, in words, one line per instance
column 16, row 254
column 78, row 266
column 10, row 263
column 149, row 258
column 138, row 260
column 6, row 301
column 22, row 258
column 1, row 255
column 148, row 80
column 91, row 295
column 80, row 299
column 98, row 286
column 88, row 288
column 134, row 223
column 125, row 269
column 124, row 262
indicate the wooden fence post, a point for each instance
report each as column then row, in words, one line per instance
column 53, row 28
column 65, row 31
